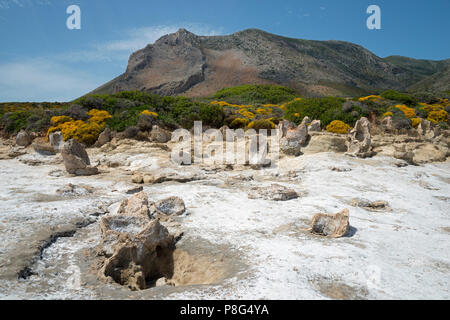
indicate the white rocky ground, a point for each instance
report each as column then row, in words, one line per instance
column 262, row 246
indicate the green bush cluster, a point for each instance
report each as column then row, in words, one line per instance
column 126, row 107
column 256, row 94
column 325, row 109
column 404, row 98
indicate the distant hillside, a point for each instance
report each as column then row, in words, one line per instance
column 429, row 75
column 183, row 63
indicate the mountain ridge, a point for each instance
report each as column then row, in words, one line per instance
column 183, row 63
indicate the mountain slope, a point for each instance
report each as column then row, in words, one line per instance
column 183, row 63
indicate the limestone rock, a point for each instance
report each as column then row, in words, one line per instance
column 137, row 178
column 427, row 131
column 136, row 255
column 56, row 140
column 284, row 126
column 159, row 135
column 379, row 205
column 325, row 142
column 359, row 140
column 43, row 149
column 137, row 205
column 315, row 126
column 76, row 159
column 306, row 120
column 16, row 151
column 294, row 139
column 103, row 138
column 170, row 206
column 275, row 192
column 331, row 225
column 427, row 152
column 71, row 190
column 387, row 124
column 23, row 139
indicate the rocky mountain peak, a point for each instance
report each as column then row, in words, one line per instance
column 184, row 63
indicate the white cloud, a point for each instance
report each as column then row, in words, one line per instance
column 138, row 38
column 132, row 40
column 42, row 80
column 60, row 77
column 6, row 4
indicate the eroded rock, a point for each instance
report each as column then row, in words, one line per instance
column 315, row 126
column 294, row 140
column 159, row 135
column 76, row 159
column 43, row 149
column 137, row 258
column 137, row 205
column 325, row 142
column 275, row 192
column 170, row 206
column 23, row 139
column 103, row 138
column 359, row 140
column 378, row 205
column 56, row 140
column 331, row 225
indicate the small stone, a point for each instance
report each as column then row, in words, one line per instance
column 331, row 225
column 274, row 192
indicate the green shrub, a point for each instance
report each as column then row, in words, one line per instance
column 15, row 121
column 324, row 109
column 256, row 94
column 401, row 97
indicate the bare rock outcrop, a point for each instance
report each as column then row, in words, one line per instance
column 331, row 225
column 137, row 249
column 103, row 138
column 325, row 142
column 170, row 206
column 315, row 126
column 23, row 139
column 43, row 149
column 294, row 140
column 427, row 130
column 137, row 205
column 159, row 135
column 56, row 140
column 138, row 255
column 376, row 206
column 76, row 159
column 274, row 192
column 359, row 140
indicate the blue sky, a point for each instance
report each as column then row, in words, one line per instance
column 41, row 60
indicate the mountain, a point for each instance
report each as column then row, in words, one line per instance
column 429, row 75
column 184, row 63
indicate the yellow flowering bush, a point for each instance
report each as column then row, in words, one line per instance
column 371, row 98
column 99, row 116
column 407, row 111
column 438, row 116
column 261, row 124
column 264, row 111
column 338, row 126
column 415, row 122
column 60, row 119
column 246, row 113
column 86, row 132
column 149, row 113
column 239, row 123
column 388, row 114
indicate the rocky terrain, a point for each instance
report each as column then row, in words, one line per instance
column 362, row 215
column 184, row 63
